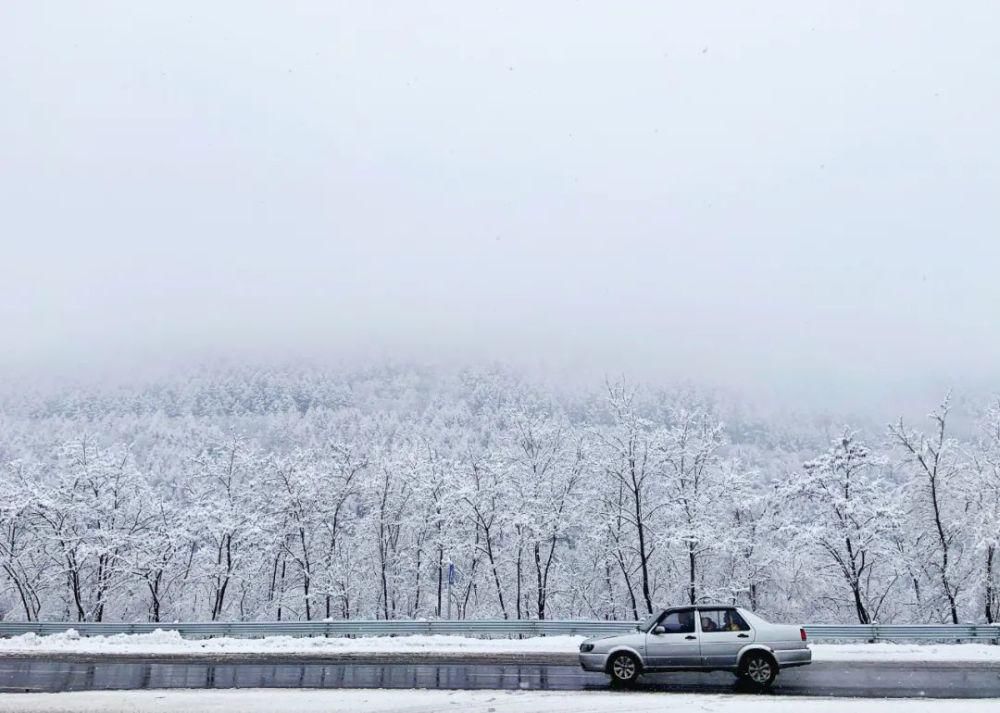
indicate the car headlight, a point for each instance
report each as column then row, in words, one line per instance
column 584, row 648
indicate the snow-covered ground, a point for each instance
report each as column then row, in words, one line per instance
column 906, row 652
column 171, row 643
column 428, row 701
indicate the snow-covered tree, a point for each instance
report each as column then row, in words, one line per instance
column 936, row 468
column 985, row 496
column 849, row 517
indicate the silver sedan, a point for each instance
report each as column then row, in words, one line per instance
column 700, row 638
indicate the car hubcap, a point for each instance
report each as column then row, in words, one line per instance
column 624, row 668
column 759, row 670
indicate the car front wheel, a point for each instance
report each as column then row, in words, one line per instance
column 624, row 668
column 759, row 669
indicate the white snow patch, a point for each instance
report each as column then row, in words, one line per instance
column 906, row 652
column 171, row 642
column 432, row 701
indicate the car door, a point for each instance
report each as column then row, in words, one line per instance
column 723, row 632
column 673, row 642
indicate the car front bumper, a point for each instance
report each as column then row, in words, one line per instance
column 594, row 662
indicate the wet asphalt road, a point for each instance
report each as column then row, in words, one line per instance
column 876, row 680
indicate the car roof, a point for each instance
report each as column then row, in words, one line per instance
column 707, row 605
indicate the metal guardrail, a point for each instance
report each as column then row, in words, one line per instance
column 480, row 628
column 904, row 632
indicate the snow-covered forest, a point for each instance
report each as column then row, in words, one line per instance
column 306, row 494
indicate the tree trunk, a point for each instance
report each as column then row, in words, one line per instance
column 440, row 579
column 692, row 593
column 991, row 615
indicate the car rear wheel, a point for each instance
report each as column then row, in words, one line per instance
column 624, row 668
column 759, row 669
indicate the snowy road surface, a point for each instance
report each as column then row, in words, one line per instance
column 833, row 679
column 383, row 701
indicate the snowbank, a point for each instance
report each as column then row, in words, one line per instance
column 430, row 701
column 906, row 652
column 171, row 643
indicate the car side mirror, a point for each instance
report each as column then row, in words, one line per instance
column 659, row 630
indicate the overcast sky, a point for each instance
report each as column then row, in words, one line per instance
column 800, row 195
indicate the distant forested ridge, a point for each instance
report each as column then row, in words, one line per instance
column 308, row 494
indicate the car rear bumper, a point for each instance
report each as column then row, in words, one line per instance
column 789, row 658
column 594, row 662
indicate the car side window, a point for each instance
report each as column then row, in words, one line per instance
column 678, row 622
column 721, row 620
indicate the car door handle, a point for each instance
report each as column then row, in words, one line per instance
column 690, row 638
column 743, row 636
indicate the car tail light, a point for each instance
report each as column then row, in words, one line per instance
column 802, row 633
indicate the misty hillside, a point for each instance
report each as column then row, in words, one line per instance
column 302, row 493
